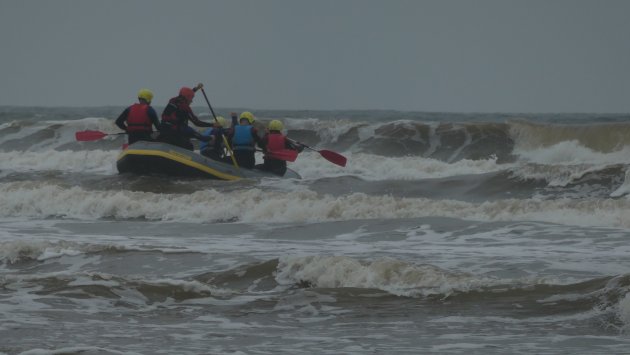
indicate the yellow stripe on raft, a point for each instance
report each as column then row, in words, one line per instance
column 180, row 158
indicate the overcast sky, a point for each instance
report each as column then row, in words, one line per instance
column 442, row 55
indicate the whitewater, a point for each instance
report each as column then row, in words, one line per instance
column 445, row 233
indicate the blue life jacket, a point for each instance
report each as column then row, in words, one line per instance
column 243, row 138
column 205, row 133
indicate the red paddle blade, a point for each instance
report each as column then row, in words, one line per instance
column 89, row 135
column 333, row 157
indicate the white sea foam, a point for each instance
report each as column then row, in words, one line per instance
column 624, row 189
column 624, row 311
column 572, row 153
column 19, row 250
column 377, row 168
column 566, row 162
column 28, row 199
column 93, row 161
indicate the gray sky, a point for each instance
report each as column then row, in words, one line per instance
column 442, row 55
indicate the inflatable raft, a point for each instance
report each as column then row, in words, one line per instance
column 160, row 158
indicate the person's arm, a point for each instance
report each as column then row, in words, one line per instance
column 192, row 133
column 256, row 137
column 120, row 121
column 154, row 118
column 198, row 122
column 289, row 144
column 263, row 143
column 234, row 119
column 195, row 120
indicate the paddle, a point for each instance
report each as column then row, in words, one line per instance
column 225, row 142
column 86, row 136
column 329, row 155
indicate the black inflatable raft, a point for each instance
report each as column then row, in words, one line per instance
column 165, row 159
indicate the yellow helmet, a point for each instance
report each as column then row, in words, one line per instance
column 145, row 94
column 248, row 116
column 275, row 125
column 221, row 121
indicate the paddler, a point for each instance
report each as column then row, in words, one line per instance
column 137, row 120
column 214, row 147
column 243, row 138
column 174, row 127
column 276, row 147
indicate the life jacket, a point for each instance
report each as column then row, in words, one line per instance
column 138, row 118
column 243, row 138
column 276, row 145
column 175, row 115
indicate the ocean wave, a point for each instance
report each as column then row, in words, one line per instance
column 572, row 153
column 129, row 290
column 36, row 200
column 444, row 141
column 18, row 251
column 56, row 135
column 393, row 276
column 21, row 251
column 78, row 350
column 612, row 177
column 367, row 167
column 598, row 137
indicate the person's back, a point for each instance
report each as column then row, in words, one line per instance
column 244, row 138
column 275, row 145
column 137, row 120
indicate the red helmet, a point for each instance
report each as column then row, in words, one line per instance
column 187, row 92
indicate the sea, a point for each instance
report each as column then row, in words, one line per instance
column 445, row 233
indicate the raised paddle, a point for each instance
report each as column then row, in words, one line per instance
column 225, row 142
column 329, row 155
column 86, row 136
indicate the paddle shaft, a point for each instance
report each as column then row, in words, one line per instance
column 329, row 155
column 227, row 145
column 302, row 144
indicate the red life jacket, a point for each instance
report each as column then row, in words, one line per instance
column 276, row 145
column 176, row 113
column 138, row 119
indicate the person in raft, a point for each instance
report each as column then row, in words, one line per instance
column 214, row 147
column 174, row 127
column 137, row 120
column 277, row 147
column 243, row 138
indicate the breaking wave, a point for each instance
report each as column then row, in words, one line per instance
column 26, row 199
